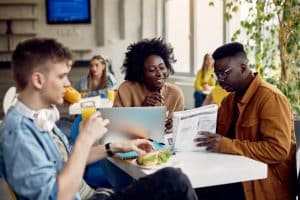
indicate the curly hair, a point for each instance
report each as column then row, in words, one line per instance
column 137, row 53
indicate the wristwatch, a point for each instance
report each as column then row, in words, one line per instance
column 108, row 150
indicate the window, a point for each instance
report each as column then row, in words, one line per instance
column 178, row 32
column 193, row 28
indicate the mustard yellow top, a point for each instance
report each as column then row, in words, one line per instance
column 218, row 94
column 199, row 82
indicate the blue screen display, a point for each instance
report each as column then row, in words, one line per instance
column 68, row 11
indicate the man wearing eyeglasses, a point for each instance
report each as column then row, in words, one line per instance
column 254, row 120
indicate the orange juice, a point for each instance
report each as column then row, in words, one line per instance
column 111, row 94
column 87, row 109
column 72, row 95
column 87, row 112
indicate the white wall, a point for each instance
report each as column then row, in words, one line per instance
column 83, row 36
column 140, row 19
column 210, row 31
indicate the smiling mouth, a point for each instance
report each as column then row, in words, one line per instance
column 160, row 81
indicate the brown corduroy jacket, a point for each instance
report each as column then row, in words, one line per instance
column 264, row 131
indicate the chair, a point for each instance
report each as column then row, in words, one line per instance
column 9, row 98
column 94, row 174
column 12, row 194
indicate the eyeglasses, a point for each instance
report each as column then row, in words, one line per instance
column 222, row 74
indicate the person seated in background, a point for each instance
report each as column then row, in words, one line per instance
column 255, row 120
column 35, row 157
column 147, row 66
column 204, row 81
column 98, row 80
column 215, row 96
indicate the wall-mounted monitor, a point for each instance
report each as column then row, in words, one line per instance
column 68, row 11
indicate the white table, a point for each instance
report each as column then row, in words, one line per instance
column 205, row 168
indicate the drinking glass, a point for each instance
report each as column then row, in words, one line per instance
column 111, row 94
column 87, row 109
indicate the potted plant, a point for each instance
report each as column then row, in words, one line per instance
column 272, row 28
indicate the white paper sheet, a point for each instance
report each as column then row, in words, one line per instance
column 187, row 124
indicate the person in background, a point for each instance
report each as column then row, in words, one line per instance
column 255, row 120
column 99, row 79
column 215, row 96
column 36, row 159
column 147, row 66
column 204, row 81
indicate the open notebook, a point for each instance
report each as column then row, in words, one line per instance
column 187, row 124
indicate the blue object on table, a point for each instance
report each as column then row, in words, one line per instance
column 103, row 96
column 94, row 174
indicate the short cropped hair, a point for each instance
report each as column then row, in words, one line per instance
column 137, row 53
column 36, row 54
column 229, row 50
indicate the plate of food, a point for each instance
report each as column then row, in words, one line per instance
column 154, row 160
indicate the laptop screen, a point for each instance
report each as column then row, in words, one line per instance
column 146, row 121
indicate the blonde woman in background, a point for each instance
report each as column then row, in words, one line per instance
column 204, row 81
column 216, row 96
column 99, row 79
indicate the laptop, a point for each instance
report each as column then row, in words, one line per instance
column 150, row 121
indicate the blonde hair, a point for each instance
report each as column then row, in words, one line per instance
column 205, row 66
column 103, row 78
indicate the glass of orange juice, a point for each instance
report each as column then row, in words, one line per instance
column 87, row 109
column 111, row 94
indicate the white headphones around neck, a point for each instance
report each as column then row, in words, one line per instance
column 44, row 119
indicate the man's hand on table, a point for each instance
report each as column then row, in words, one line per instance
column 209, row 140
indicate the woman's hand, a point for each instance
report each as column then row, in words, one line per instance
column 209, row 140
column 141, row 146
column 153, row 99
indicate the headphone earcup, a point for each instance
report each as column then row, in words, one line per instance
column 55, row 113
column 45, row 118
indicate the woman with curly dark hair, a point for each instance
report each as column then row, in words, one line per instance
column 147, row 65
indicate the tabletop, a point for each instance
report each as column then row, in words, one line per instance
column 205, row 168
